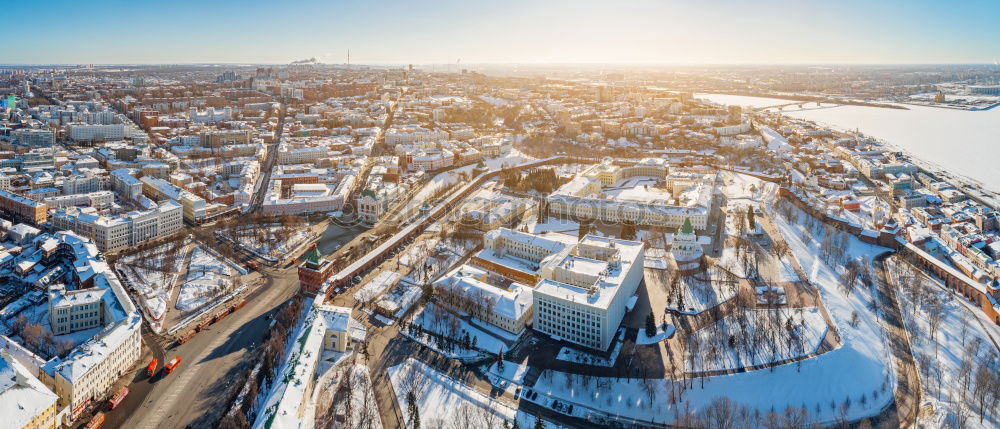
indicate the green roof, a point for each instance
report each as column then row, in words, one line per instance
column 314, row 256
column 686, row 228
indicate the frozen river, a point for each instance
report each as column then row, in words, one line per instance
column 963, row 142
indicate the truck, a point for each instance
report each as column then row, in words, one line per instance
column 169, row 367
column 95, row 422
column 184, row 338
column 151, row 369
column 252, row 265
column 118, row 397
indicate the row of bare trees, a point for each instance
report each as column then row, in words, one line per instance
column 978, row 378
column 750, row 338
column 350, row 404
column 269, row 355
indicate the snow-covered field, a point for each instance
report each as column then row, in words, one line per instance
column 207, row 277
column 738, row 186
column 730, row 261
column 363, row 408
column 758, row 337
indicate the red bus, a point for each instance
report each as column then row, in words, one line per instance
column 119, row 396
column 151, row 369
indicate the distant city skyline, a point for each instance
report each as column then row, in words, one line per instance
column 513, row 32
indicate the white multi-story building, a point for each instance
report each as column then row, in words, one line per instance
column 430, row 159
column 690, row 196
column 301, row 155
column 581, row 289
column 210, row 115
column 195, row 208
column 83, row 132
column 310, row 198
column 33, row 137
column 413, row 133
column 125, row 184
column 467, row 290
column 99, row 199
column 81, row 184
column 731, row 130
column 111, row 234
column 584, row 294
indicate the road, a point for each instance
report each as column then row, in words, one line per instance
column 195, row 394
column 907, row 393
column 260, row 188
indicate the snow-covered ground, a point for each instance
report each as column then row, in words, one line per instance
column 730, row 261
column 268, row 243
column 154, row 285
column 770, row 335
column 207, row 277
column 660, row 334
column 570, row 354
column 698, row 294
column 417, row 253
column 376, row 286
column 442, row 400
column 553, row 225
column 446, row 254
column 448, row 325
column 960, row 337
column 363, row 408
column 738, row 186
column 656, row 259
column 444, row 179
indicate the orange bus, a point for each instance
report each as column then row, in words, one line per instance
column 151, row 369
column 172, row 364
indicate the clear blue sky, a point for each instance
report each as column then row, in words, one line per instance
column 513, row 31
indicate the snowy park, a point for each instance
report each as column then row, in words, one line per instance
column 208, row 277
column 154, row 273
column 750, row 338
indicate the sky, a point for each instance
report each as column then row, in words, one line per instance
column 502, row 32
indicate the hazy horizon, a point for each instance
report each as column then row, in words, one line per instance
column 641, row 32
